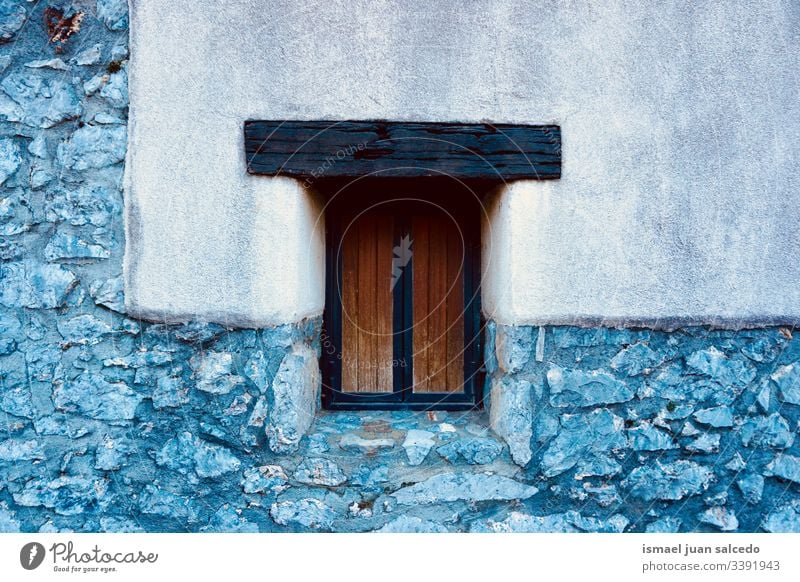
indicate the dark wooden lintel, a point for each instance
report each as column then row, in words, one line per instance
column 344, row 149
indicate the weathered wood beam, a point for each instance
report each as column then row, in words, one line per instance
column 339, row 149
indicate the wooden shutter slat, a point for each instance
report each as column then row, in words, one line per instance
column 349, row 291
column 455, row 311
column 419, row 305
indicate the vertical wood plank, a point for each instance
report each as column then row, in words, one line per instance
column 419, row 230
column 349, row 290
column 384, row 302
column 455, row 310
column 367, row 377
column 437, row 304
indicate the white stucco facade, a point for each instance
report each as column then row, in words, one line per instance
column 679, row 198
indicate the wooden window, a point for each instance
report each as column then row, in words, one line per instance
column 402, row 317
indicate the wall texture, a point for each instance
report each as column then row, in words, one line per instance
column 111, row 423
column 680, row 144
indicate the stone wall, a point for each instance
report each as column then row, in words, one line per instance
column 693, row 429
column 108, row 423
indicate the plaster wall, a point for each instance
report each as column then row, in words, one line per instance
column 680, row 149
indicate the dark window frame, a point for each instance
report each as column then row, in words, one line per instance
column 402, row 397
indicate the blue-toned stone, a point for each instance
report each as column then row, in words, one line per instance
column 463, row 487
column 295, row 398
column 10, row 159
column 35, row 285
column 93, row 146
column 318, row 471
column 115, row 89
column 119, row 51
column 669, row 481
column 784, row 466
column 318, row 444
column 87, row 205
column 717, row 366
column 92, row 395
column 67, row 495
column 170, row 392
column 787, row 379
column 785, row 519
column 574, row 337
column 41, row 174
column 585, row 388
column 43, row 362
column 229, row 520
column 489, row 348
column 65, row 245
column 261, row 368
column 89, row 56
column 213, row 372
column 187, row 453
column 567, row 522
column 597, row 466
column 767, row 431
column 355, row 443
column 474, row 451
column 198, row 332
column 582, row 436
column 764, row 349
column 514, row 346
column 417, row 445
column 705, row 443
column 752, row 487
column 717, row 417
column 12, row 17
column 736, row 463
column 370, row 477
column 720, row 517
column 8, row 520
column 13, row 450
column 7, row 346
column 16, row 401
column 112, row 453
column 309, row 513
column 116, row 524
column 604, row 495
column 61, row 425
column 93, row 85
column 545, row 427
column 38, row 146
column 716, row 497
column 10, row 326
column 238, row 405
column 518, row 522
column 646, row 437
column 511, row 415
column 259, row 414
column 411, row 524
column 141, row 358
column 83, row 329
column 55, row 64
column 689, row 430
column 113, row 13
column 37, row 102
column 265, row 478
column 636, row 360
column 764, row 397
column 156, row 501
column 664, row 525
